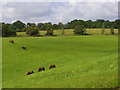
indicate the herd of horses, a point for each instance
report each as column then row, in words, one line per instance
column 40, row 69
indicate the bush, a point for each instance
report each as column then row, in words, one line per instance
column 32, row 32
column 21, row 30
column 18, row 30
column 79, row 30
column 112, row 30
column 49, row 30
column 103, row 29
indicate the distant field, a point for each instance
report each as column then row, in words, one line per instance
column 69, row 32
column 81, row 61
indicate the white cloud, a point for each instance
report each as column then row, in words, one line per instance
column 60, row 1
column 59, row 11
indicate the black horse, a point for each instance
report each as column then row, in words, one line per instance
column 24, row 48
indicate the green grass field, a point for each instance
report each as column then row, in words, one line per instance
column 69, row 32
column 81, row 62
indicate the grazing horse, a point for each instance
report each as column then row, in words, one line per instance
column 30, row 72
column 24, row 48
column 11, row 41
column 52, row 66
column 41, row 68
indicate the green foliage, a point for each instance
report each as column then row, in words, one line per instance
column 21, row 30
column 116, row 23
column 89, row 24
column 8, row 30
column 24, row 29
column 31, row 24
column 103, row 29
column 49, row 30
column 60, row 25
column 63, row 31
column 32, row 31
column 112, row 30
column 98, row 24
column 55, row 26
column 18, row 24
column 18, row 30
column 79, row 30
column 107, row 24
column 72, row 24
column 41, row 26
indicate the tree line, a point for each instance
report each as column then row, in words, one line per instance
column 33, row 29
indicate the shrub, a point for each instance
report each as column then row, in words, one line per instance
column 79, row 29
column 32, row 31
column 112, row 30
column 63, row 31
column 103, row 29
column 49, row 30
column 18, row 30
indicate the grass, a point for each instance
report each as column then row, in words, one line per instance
column 69, row 32
column 0, row 62
column 81, row 62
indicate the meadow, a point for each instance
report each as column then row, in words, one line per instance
column 89, row 61
column 69, row 32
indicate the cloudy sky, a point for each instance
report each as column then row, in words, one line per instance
column 58, row 11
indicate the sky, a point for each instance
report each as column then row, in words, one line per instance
column 56, row 12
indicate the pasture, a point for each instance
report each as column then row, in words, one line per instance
column 69, row 32
column 81, row 62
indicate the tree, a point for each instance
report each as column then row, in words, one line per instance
column 18, row 30
column 60, row 25
column 100, row 20
column 55, row 26
column 24, row 29
column 99, row 23
column 79, row 29
column 89, row 23
column 32, row 31
column 63, row 31
column 116, row 23
column 4, row 30
column 72, row 24
column 39, row 25
column 112, row 30
column 107, row 24
column 49, row 30
column 8, row 30
column 18, row 24
column 31, row 24
column 103, row 29
column 43, row 27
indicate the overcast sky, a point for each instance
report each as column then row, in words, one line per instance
column 58, row 11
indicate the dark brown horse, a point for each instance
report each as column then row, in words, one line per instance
column 11, row 41
column 52, row 66
column 41, row 68
column 30, row 72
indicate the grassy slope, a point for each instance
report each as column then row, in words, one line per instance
column 0, row 62
column 82, row 61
